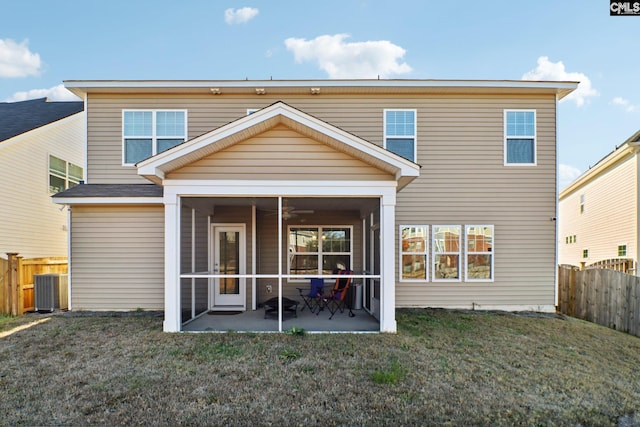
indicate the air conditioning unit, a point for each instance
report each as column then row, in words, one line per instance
column 51, row 291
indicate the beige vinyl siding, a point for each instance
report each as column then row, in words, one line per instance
column 280, row 154
column 609, row 218
column 117, row 258
column 464, row 182
column 463, row 178
column 30, row 223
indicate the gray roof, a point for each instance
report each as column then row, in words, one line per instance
column 19, row 117
column 112, row 190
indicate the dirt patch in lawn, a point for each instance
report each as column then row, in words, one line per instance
column 443, row 367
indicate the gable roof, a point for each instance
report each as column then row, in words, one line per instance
column 157, row 167
column 621, row 152
column 19, row 117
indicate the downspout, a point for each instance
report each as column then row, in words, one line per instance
column 555, row 217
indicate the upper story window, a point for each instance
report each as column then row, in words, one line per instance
column 146, row 133
column 582, row 203
column 400, row 132
column 519, row 137
column 63, row 175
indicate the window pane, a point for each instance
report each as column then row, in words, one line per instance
column 402, row 147
column 446, row 239
column 56, row 184
column 520, row 123
column 479, row 266
column 520, row 151
column 304, row 264
column 75, row 172
column 336, row 240
column 332, row 263
column 138, row 123
column 447, row 267
column 400, row 123
column 165, row 144
column 170, row 123
column 57, row 165
column 136, row 150
column 479, row 239
column 414, row 267
column 303, row 240
column 414, row 239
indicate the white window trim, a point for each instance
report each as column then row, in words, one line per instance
column 320, row 252
column 425, row 253
column 467, row 253
column 459, row 253
column 534, row 136
column 415, row 130
column 154, row 140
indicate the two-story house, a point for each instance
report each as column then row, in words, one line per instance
column 216, row 195
column 598, row 212
column 42, row 152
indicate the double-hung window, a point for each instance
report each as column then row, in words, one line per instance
column 149, row 132
column 413, row 252
column 63, row 175
column 446, row 252
column 519, row 137
column 317, row 250
column 479, row 240
column 400, row 133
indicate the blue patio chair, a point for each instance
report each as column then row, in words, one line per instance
column 312, row 296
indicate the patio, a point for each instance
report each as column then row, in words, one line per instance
column 254, row 321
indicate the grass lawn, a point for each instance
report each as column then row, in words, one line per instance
column 443, row 367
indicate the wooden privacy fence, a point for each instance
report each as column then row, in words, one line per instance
column 606, row 297
column 16, row 280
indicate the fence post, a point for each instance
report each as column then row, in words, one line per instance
column 12, row 283
column 20, row 285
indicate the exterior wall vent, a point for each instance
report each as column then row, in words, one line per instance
column 51, row 291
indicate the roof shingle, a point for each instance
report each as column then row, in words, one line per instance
column 19, row 117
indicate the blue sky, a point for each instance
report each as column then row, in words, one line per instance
column 44, row 42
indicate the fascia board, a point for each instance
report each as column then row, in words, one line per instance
column 108, row 200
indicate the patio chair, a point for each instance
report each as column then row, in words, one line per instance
column 335, row 300
column 311, row 297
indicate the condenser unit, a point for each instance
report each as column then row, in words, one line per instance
column 51, row 291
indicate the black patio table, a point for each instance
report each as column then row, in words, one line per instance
column 289, row 305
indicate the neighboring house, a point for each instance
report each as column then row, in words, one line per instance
column 42, row 152
column 598, row 212
column 435, row 193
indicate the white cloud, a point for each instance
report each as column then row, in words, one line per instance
column 16, row 60
column 625, row 104
column 56, row 93
column 240, row 16
column 343, row 60
column 547, row 70
column 567, row 174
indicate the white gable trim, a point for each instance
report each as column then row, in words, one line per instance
column 156, row 168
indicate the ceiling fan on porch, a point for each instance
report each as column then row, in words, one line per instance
column 290, row 211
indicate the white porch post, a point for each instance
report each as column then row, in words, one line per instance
column 171, row 263
column 387, row 271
